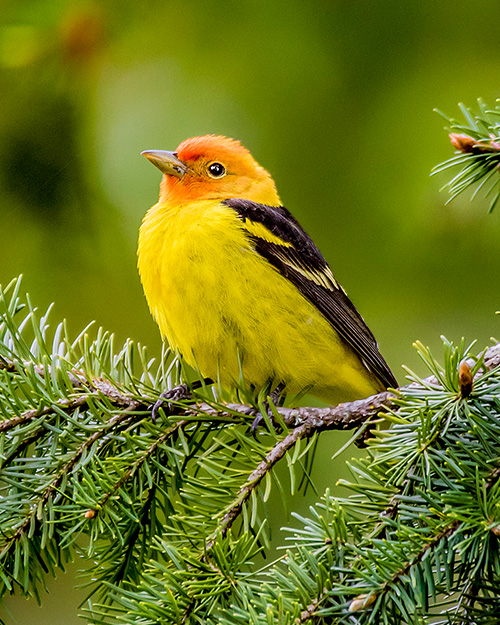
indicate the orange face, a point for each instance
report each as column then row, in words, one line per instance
column 212, row 167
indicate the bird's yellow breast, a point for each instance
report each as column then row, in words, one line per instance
column 228, row 311
column 186, row 256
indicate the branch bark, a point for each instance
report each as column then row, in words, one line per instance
column 347, row 416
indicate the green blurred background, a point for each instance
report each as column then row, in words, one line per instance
column 334, row 97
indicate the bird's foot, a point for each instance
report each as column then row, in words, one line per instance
column 258, row 420
column 275, row 397
column 178, row 393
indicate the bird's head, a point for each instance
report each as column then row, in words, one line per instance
column 212, row 167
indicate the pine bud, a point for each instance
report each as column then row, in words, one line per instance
column 362, row 602
column 469, row 145
column 90, row 514
column 462, row 143
column 465, row 380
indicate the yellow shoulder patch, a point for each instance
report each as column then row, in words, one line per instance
column 259, row 230
column 322, row 277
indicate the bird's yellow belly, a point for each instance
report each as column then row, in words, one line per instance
column 229, row 313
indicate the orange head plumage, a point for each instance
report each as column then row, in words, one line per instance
column 212, row 168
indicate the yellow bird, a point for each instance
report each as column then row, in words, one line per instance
column 238, row 287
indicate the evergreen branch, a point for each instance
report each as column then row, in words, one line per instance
column 363, row 601
column 349, row 415
column 79, row 381
column 52, row 488
column 67, row 405
column 134, row 468
column 277, row 452
column 491, row 359
column 477, row 145
column 344, row 416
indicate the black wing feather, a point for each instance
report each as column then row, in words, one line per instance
column 302, row 254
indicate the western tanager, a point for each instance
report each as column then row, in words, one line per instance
column 239, row 288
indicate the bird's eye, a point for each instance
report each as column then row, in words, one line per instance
column 216, row 170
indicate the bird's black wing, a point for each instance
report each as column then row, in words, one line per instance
column 279, row 238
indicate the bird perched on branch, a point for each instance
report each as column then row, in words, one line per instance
column 239, row 288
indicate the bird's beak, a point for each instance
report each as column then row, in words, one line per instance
column 167, row 162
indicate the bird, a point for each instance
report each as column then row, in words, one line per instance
column 239, row 289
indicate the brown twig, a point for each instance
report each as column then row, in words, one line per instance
column 345, row 416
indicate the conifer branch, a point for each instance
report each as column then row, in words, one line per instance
column 363, row 601
column 346, row 416
column 68, row 405
column 159, row 501
column 276, row 454
column 134, row 468
column 477, row 144
column 80, row 383
column 52, row 488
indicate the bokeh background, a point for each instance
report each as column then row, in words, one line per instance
column 334, row 97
